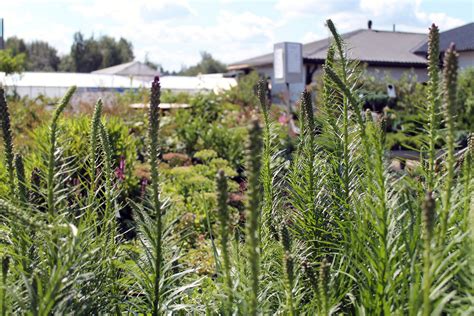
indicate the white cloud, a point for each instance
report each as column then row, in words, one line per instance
column 354, row 14
column 310, row 37
column 173, row 32
column 177, row 41
column 298, row 8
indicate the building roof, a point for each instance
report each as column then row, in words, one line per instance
column 365, row 45
column 66, row 79
column 462, row 36
column 133, row 68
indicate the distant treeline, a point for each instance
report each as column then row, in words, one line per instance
column 86, row 55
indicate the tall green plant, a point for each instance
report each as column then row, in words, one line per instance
column 224, row 223
column 433, row 99
column 154, row 121
column 52, row 149
column 253, row 212
column 449, row 102
column 7, row 139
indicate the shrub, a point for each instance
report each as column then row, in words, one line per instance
column 244, row 93
column 331, row 230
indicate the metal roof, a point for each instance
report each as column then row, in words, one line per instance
column 462, row 36
column 133, row 68
column 371, row 46
column 382, row 47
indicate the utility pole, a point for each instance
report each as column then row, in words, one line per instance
column 2, row 41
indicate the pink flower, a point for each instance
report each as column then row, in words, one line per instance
column 120, row 171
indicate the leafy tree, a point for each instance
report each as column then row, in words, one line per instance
column 114, row 53
column 10, row 63
column 66, row 64
column 38, row 55
column 42, row 57
column 16, row 45
column 207, row 65
column 90, row 54
column 85, row 54
column 125, row 49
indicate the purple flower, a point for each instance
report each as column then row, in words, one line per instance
column 143, row 185
column 120, row 170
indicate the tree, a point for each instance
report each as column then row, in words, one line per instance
column 10, row 63
column 38, row 55
column 125, row 49
column 66, row 64
column 42, row 57
column 90, row 54
column 85, row 54
column 114, row 53
column 16, row 45
column 207, row 65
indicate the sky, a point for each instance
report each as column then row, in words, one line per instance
column 174, row 32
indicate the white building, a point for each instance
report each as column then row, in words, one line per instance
column 92, row 86
column 134, row 69
column 55, row 84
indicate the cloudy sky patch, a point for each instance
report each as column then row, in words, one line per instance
column 174, row 32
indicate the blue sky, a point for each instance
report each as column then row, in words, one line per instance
column 174, row 32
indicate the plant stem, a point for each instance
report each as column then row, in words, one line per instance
column 52, row 147
column 94, row 136
column 433, row 98
column 449, row 90
column 428, row 222
column 154, row 121
column 253, row 211
column 224, row 218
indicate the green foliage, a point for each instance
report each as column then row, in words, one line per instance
column 86, row 55
column 465, row 100
column 244, row 93
column 406, row 114
column 208, row 124
column 331, row 230
column 89, row 54
column 207, row 65
column 38, row 55
column 10, row 63
column 192, row 189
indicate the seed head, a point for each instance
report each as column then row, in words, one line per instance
column 450, row 81
column 307, row 106
column 433, row 48
column 7, row 138
column 262, row 95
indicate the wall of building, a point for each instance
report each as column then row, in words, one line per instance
column 82, row 95
column 280, row 91
column 397, row 72
column 466, row 59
